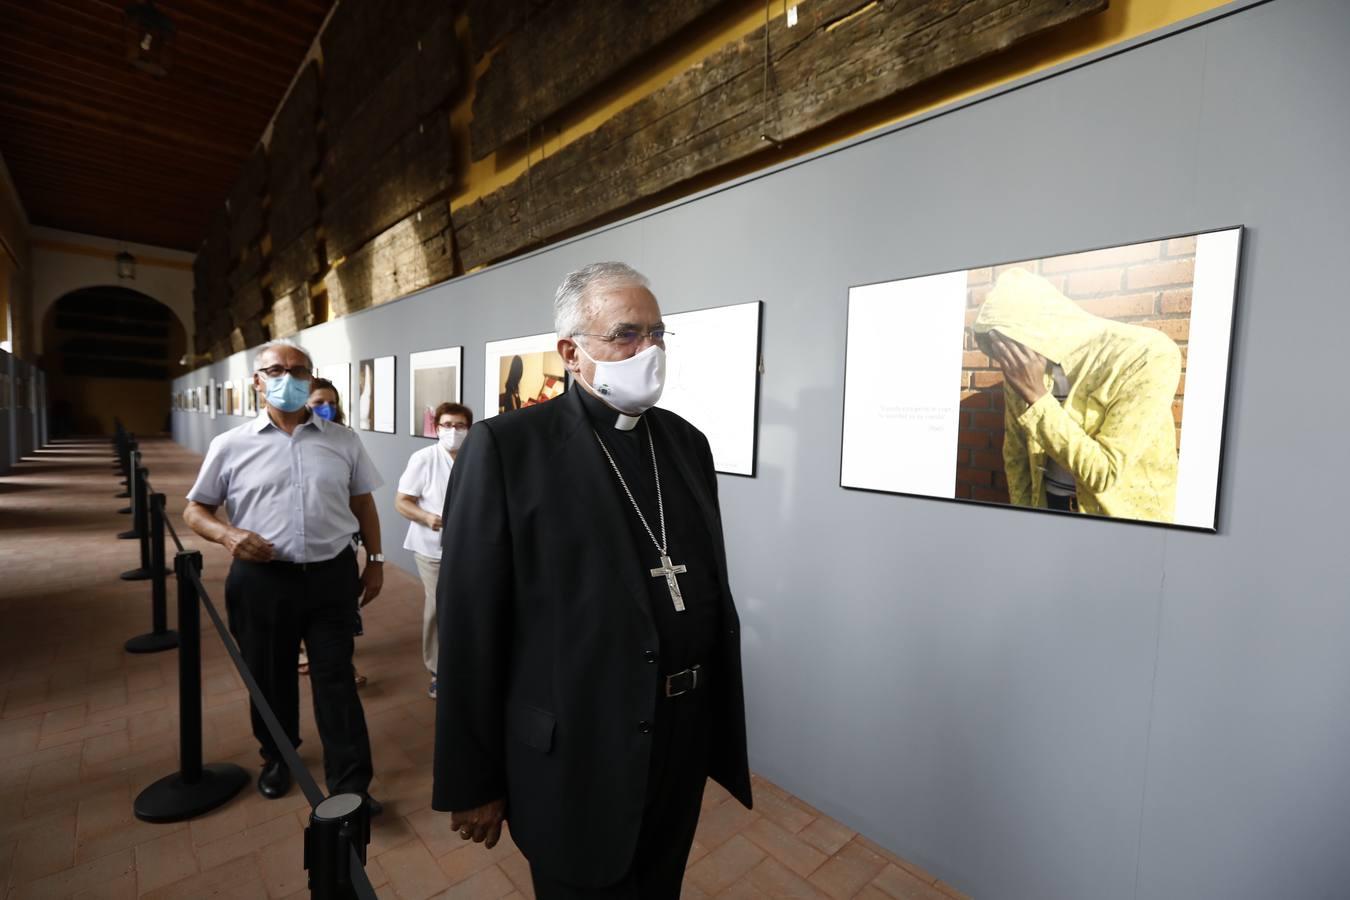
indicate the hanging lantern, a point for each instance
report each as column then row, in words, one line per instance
column 149, row 36
column 126, row 266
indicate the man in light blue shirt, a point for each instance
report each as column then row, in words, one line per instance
column 297, row 488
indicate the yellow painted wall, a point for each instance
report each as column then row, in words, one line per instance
column 1122, row 21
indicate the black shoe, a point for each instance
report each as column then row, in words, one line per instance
column 374, row 806
column 275, row 780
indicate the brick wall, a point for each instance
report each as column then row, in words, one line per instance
column 1145, row 284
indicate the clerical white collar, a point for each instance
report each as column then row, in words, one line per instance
column 622, row 421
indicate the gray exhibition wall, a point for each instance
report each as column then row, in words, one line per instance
column 1029, row 706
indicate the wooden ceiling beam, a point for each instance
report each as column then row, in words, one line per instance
column 74, row 118
column 55, row 69
column 96, row 33
column 224, row 18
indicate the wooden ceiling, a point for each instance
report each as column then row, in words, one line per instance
column 97, row 146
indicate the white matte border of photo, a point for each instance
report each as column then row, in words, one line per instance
column 493, row 353
column 432, row 359
column 712, row 379
column 385, row 375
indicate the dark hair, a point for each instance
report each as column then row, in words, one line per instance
column 453, row 409
column 323, row 384
column 514, row 374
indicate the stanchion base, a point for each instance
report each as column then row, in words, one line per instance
column 132, row 535
column 139, row 574
column 152, row 642
column 124, row 511
column 170, row 800
column 125, row 495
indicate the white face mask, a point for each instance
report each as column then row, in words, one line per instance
column 451, row 438
column 632, row 385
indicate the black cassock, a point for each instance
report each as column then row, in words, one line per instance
column 556, row 642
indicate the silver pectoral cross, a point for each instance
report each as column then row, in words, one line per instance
column 668, row 572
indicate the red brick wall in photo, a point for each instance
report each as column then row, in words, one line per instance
column 1144, row 284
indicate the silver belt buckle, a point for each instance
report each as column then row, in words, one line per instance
column 692, row 671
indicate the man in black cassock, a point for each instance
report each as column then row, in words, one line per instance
column 590, row 673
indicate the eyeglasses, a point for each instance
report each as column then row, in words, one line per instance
column 304, row 373
column 629, row 336
column 457, row 426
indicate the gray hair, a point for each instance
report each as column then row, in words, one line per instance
column 570, row 302
column 282, row 342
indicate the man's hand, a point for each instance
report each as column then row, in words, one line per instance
column 432, row 521
column 247, row 545
column 1023, row 367
column 482, row 825
column 372, row 582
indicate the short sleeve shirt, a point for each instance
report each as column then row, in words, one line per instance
column 293, row 490
column 426, row 478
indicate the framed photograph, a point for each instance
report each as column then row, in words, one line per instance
column 436, row 377
column 521, row 372
column 250, row 398
column 341, row 376
column 228, row 408
column 375, row 394
column 1093, row 383
column 712, row 379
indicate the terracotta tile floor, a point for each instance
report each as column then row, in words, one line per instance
column 85, row 726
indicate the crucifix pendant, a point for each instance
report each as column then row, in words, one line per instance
column 668, row 572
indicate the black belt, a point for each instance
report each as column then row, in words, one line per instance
column 685, row 680
column 310, row 566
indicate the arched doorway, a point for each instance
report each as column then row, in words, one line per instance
column 110, row 352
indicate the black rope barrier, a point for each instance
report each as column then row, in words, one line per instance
column 339, row 831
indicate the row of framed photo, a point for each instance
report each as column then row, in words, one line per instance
column 1092, row 383
column 719, row 394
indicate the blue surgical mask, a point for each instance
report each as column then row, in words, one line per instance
column 287, row 393
column 326, row 411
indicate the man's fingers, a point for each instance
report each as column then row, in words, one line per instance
column 494, row 834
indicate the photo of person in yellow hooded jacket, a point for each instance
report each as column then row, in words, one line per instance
column 1088, row 421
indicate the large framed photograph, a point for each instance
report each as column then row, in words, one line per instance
column 340, row 374
column 1093, row 383
column 375, row 394
column 712, row 379
column 250, row 398
column 436, row 377
column 521, row 372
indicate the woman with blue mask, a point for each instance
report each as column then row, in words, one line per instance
column 325, row 403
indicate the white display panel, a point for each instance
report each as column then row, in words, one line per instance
column 375, row 394
column 212, row 403
column 1093, row 382
column 712, row 379
column 435, row 377
column 508, row 385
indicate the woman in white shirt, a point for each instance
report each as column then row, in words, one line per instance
column 421, row 500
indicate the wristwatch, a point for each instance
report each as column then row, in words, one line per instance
column 374, row 557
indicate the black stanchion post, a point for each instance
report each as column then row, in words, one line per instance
column 133, row 454
column 194, row 789
column 141, row 531
column 130, row 509
column 338, row 823
column 160, row 637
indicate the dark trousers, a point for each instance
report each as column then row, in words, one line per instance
column 678, row 773
column 271, row 607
